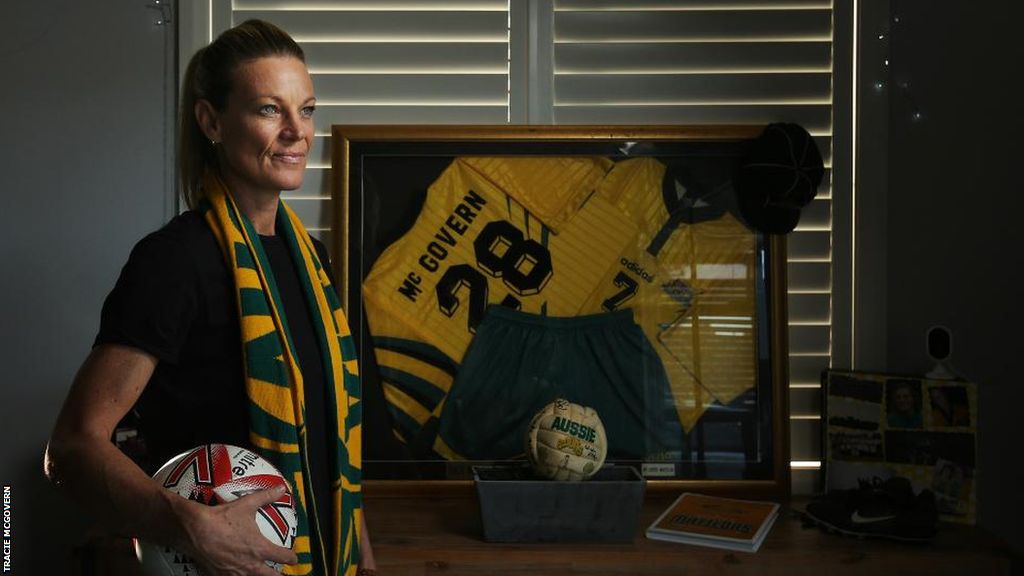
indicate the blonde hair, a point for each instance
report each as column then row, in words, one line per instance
column 208, row 77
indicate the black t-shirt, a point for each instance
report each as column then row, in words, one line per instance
column 298, row 316
column 175, row 299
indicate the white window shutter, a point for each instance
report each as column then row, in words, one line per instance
column 581, row 62
column 722, row 62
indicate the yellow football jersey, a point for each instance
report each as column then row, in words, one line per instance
column 485, row 235
column 689, row 278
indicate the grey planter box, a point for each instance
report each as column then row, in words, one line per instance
column 515, row 506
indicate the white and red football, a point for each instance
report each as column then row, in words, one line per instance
column 215, row 474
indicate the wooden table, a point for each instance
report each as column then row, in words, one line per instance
column 443, row 536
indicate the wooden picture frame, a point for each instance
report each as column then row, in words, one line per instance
column 380, row 178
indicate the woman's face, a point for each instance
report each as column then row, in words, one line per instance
column 265, row 131
column 904, row 400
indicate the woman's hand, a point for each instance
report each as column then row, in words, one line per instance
column 367, row 563
column 224, row 540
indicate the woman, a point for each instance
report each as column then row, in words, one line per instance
column 904, row 405
column 224, row 327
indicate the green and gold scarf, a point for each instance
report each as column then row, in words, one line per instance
column 274, row 384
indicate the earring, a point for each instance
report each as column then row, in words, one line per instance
column 213, row 142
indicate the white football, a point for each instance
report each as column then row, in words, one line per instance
column 215, row 474
column 566, row 441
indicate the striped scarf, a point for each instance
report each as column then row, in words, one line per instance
column 273, row 381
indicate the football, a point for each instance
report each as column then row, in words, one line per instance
column 566, row 441
column 215, row 474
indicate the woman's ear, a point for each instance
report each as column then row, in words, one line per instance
column 207, row 118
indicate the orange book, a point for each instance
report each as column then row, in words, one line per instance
column 713, row 521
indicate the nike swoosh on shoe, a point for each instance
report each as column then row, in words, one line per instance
column 856, row 518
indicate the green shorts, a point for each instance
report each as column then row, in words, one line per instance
column 519, row 362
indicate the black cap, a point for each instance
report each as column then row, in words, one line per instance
column 778, row 176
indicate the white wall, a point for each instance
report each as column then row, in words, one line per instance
column 955, row 207
column 83, row 168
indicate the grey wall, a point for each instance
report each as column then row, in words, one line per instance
column 955, row 206
column 83, row 178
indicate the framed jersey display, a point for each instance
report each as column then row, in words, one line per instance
column 488, row 270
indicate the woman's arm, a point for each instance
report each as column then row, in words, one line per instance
column 81, row 459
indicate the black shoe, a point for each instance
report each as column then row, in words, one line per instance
column 879, row 509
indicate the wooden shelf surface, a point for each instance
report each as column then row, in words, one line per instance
column 444, row 536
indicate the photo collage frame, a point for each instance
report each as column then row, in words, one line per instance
column 877, row 425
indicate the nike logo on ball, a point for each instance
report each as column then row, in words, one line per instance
column 856, row 518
